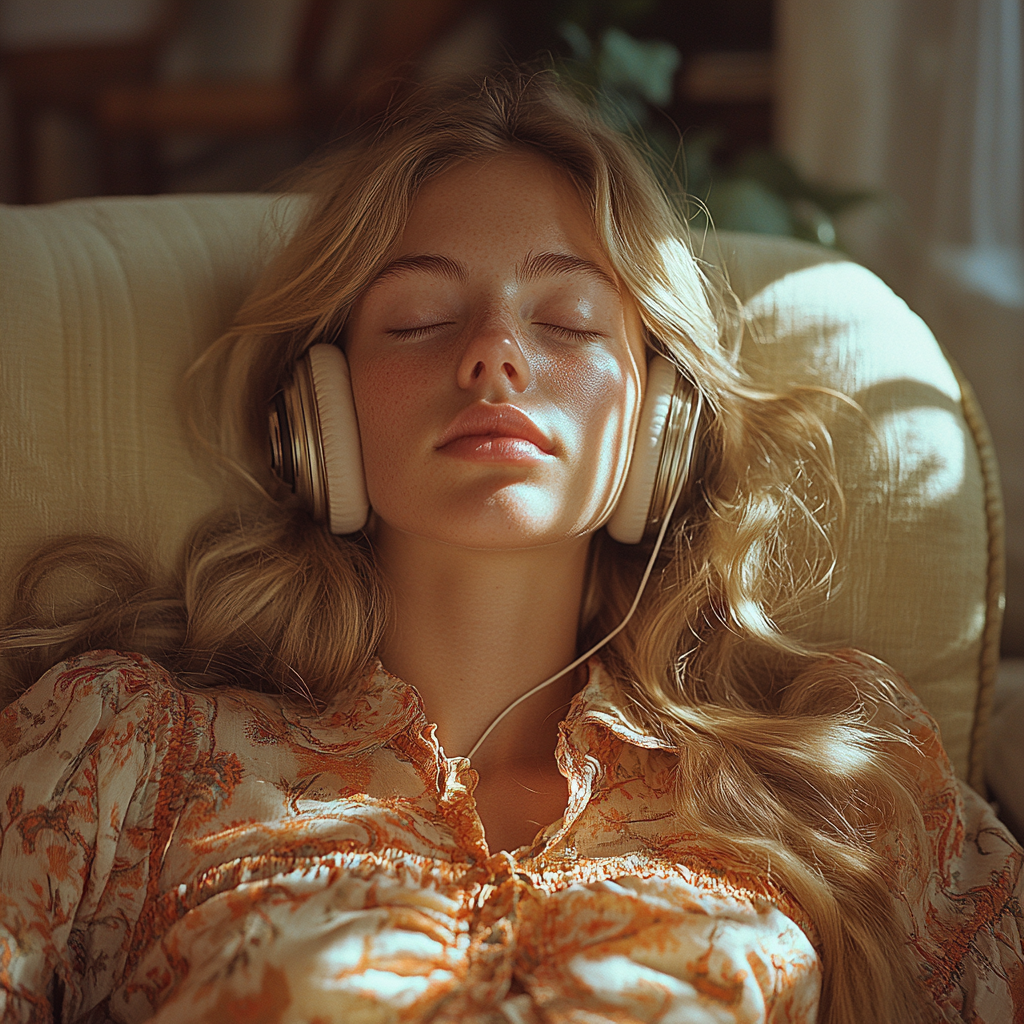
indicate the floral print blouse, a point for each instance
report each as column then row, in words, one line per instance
column 219, row 856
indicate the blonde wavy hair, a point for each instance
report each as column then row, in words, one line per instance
column 786, row 764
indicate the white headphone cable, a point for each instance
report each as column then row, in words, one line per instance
column 632, row 608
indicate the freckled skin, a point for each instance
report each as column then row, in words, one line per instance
column 494, row 337
column 497, row 295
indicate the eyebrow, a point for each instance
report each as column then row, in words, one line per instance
column 430, row 263
column 542, row 264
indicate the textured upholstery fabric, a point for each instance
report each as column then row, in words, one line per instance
column 912, row 581
column 103, row 306
column 104, row 303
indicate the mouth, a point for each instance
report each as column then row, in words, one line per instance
column 495, row 433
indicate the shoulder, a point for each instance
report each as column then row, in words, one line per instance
column 960, row 878
column 108, row 674
column 89, row 696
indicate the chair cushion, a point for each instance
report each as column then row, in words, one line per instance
column 913, row 581
column 104, row 303
column 103, row 306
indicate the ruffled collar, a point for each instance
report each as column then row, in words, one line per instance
column 596, row 705
column 380, row 706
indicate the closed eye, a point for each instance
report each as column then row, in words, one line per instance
column 418, row 332
column 571, row 332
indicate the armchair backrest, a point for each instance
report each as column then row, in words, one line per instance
column 105, row 303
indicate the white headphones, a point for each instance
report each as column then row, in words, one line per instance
column 314, row 445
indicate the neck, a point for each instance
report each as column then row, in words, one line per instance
column 475, row 629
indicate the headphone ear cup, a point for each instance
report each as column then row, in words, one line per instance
column 344, row 479
column 662, row 453
column 314, row 440
column 629, row 520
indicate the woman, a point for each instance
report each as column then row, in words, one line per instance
column 705, row 821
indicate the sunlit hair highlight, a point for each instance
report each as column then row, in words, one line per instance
column 786, row 764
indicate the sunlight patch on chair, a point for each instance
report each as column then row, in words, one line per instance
column 932, row 452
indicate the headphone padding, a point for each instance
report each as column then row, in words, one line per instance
column 629, row 520
column 347, row 503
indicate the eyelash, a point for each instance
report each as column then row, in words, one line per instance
column 567, row 332
column 572, row 333
column 415, row 332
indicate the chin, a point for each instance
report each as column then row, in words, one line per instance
column 501, row 523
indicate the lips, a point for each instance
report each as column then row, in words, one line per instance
column 495, row 431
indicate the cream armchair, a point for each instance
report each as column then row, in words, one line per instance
column 104, row 303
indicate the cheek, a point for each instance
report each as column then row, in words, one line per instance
column 600, row 405
column 600, row 395
column 385, row 394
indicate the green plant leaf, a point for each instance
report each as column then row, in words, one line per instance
column 744, row 204
column 578, row 40
column 630, row 65
column 777, row 174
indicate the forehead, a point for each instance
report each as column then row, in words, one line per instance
column 511, row 202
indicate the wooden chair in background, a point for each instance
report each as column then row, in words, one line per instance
column 116, row 89
column 137, row 117
column 67, row 78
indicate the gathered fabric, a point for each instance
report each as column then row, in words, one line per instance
column 177, row 855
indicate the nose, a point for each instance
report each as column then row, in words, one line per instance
column 493, row 358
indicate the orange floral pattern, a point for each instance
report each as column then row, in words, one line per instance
column 189, row 856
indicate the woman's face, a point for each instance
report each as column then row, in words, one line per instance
column 496, row 363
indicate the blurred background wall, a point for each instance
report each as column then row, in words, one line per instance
column 79, row 68
column 892, row 128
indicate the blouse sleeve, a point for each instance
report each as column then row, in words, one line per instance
column 960, row 890
column 76, row 753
